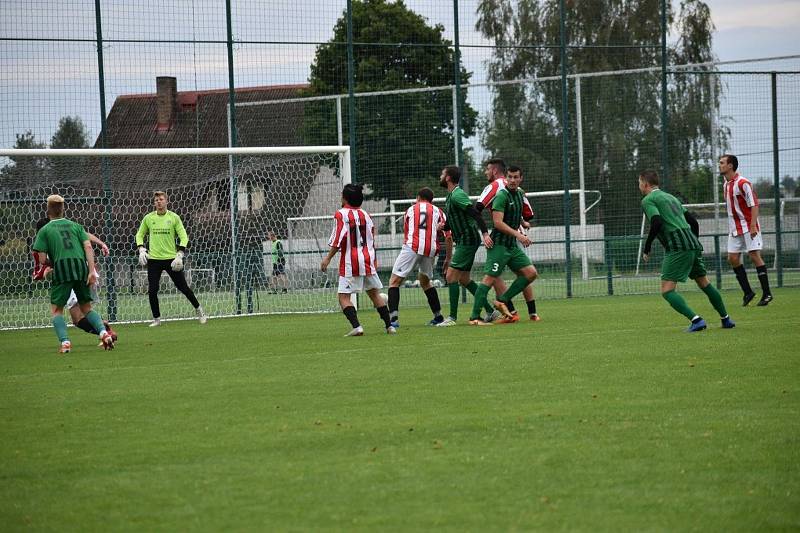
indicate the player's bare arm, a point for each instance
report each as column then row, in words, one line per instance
column 325, row 262
column 754, row 221
column 87, row 247
column 103, row 246
column 497, row 218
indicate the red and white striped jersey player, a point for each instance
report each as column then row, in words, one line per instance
column 422, row 224
column 744, row 231
column 354, row 236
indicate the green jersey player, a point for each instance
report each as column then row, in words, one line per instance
column 677, row 230
column 507, row 208
column 466, row 230
column 70, row 251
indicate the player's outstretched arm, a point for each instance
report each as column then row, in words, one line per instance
column 96, row 240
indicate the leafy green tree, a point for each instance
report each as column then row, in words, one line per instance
column 71, row 133
column 24, row 172
column 403, row 140
column 621, row 114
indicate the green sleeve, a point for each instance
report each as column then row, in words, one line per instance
column 183, row 238
column 649, row 208
column 500, row 201
column 40, row 244
column 143, row 230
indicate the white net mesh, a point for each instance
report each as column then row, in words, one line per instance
column 229, row 260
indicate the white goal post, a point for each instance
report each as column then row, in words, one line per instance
column 230, row 200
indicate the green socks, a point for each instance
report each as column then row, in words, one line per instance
column 480, row 301
column 61, row 327
column 95, row 320
column 454, row 288
column 716, row 299
column 472, row 288
column 517, row 287
column 679, row 304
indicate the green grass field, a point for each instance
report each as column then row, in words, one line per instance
column 604, row 416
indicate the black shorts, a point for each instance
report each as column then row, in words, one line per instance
column 278, row 268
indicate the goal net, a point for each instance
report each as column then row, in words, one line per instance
column 229, row 199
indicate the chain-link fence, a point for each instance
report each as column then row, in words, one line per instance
column 412, row 87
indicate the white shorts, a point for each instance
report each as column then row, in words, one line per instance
column 353, row 284
column 408, row 260
column 744, row 243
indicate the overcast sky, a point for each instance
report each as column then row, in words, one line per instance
column 40, row 82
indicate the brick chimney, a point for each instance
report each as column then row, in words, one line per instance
column 166, row 101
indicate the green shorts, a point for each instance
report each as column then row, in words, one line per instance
column 464, row 256
column 678, row 266
column 498, row 257
column 59, row 292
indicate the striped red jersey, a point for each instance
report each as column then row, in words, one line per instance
column 420, row 227
column 354, row 234
column 740, row 198
column 490, row 191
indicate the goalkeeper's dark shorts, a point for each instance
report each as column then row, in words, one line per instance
column 278, row 268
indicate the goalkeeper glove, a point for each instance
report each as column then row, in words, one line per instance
column 143, row 257
column 177, row 263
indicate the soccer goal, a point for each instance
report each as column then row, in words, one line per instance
column 230, row 200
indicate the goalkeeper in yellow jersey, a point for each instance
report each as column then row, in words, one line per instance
column 161, row 227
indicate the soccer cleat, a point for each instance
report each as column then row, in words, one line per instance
column 435, row 321
column 748, row 298
column 727, row 323
column 391, row 331
column 765, row 300
column 503, row 308
column 494, row 315
column 110, row 331
column 479, row 322
column 357, row 332
column 395, row 323
column 447, row 322
column 700, row 325
column 201, row 315
column 107, row 341
column 505, row 320
column 155, row 323
column 535, row 318
column 66, row 347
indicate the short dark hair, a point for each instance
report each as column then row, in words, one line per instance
column 650, row 177
column 453, row 172
column 353, row 194
column 41, row 223
column 514, row 168
column 498, row 162
column 426, row 194
column 732, row 160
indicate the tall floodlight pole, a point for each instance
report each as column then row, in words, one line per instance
column 664, row 108
column 565, row 145
column 351, row 108
column 234, row 186
column 459, row 160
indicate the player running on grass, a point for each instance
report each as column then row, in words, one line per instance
column 421, row 225
column 466, row 229
column 68, row 246
column 354, row 235
column 678, row 232
column 507, row 216
column 43, row 270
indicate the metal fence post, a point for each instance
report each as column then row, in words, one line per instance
column 457, row 98
column 351, row 101
column 565, row 145
column 234, row 186
column 664, row 108
column 108, row 204
column 776, row 178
